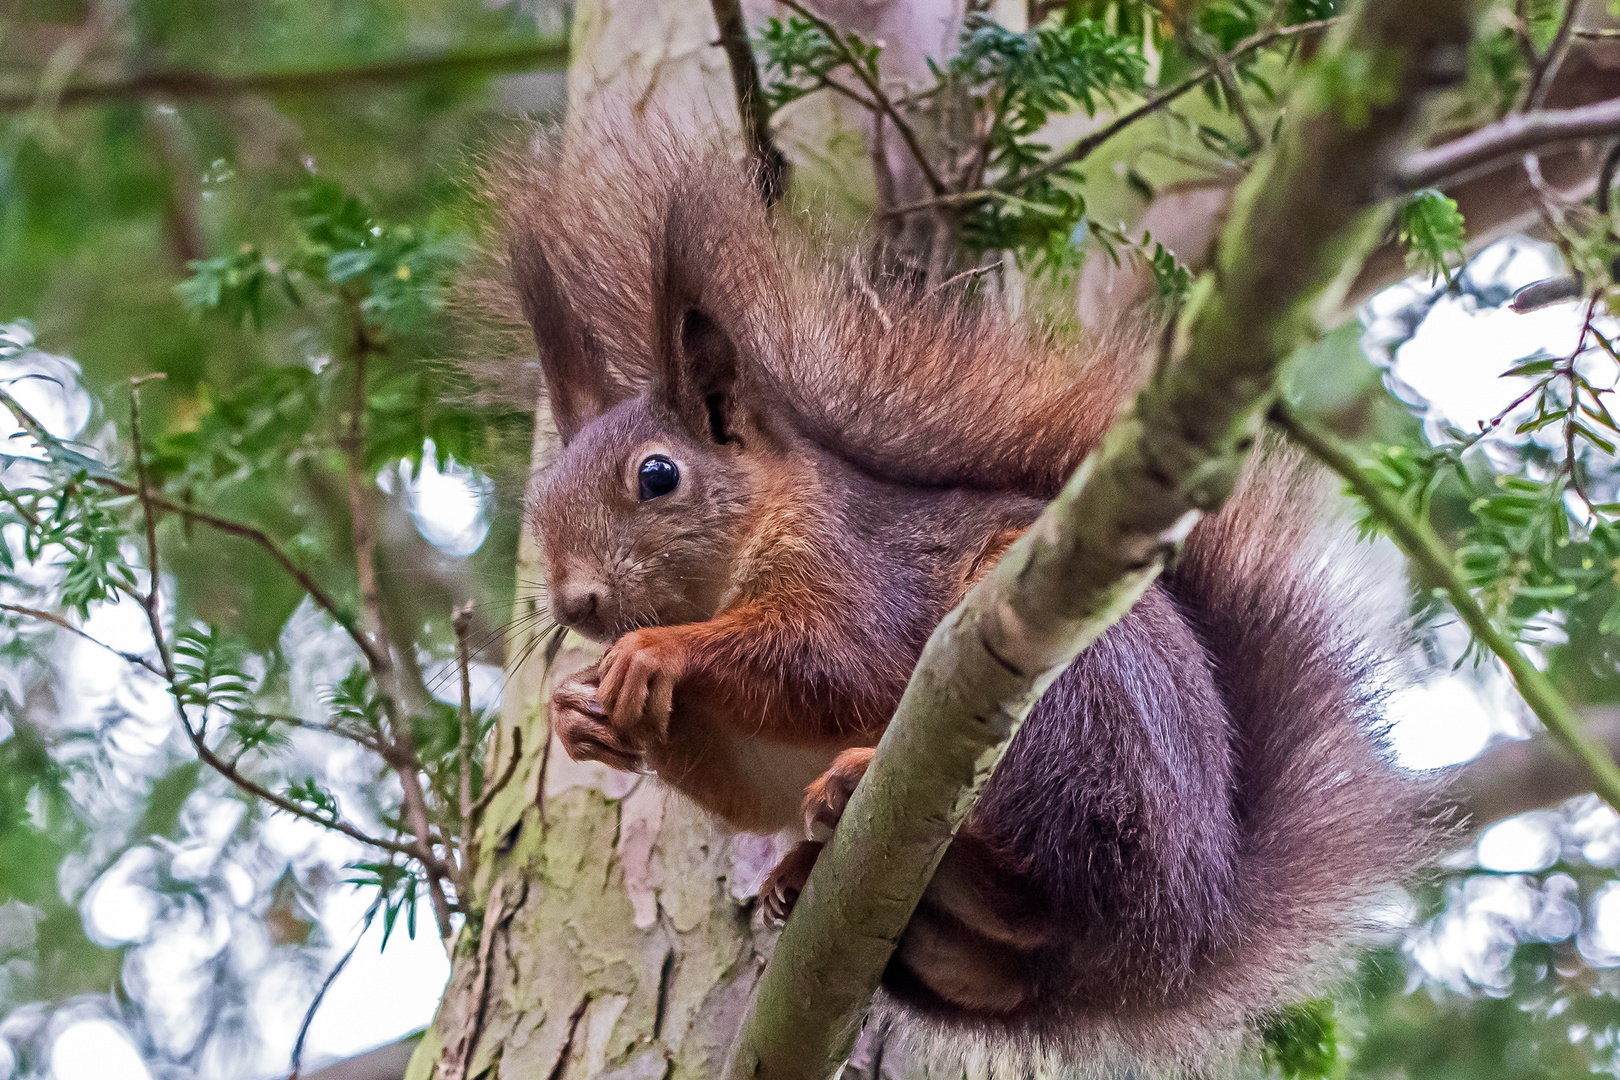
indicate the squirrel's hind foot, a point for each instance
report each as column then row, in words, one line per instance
column 781, row 890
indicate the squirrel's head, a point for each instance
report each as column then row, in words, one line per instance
column 643, row 509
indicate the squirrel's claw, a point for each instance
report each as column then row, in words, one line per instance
column 638, row 678
column 781, row 890
column 824, row 803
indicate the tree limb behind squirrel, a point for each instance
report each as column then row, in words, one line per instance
column 775, row 480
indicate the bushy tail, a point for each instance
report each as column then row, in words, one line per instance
column 1302, row 646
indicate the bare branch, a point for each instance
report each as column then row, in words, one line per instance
column 1523, row 775
column 186, row 85
column 769, row 161
column 1518, row 133
column 57, row 620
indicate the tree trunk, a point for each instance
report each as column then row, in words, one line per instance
column 620, row 936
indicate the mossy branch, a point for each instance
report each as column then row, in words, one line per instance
column 1435, row 566
column 1300, row 222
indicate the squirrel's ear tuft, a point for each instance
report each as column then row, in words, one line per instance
column 709, row 376
column 706, row 313
column 578, row 385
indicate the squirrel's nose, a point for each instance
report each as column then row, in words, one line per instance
column 577, row 605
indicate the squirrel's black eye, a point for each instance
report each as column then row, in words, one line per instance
column 658, row 476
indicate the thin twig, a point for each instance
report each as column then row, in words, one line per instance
column 492, row 790
column 1090, row 143
column 297, row 1066
column 827, row 83
column 461, row 623
column 553, row 646
column 875, row 88
column 1572, row 418
column 150, row 521
column 187, row 85
column 1436, row 564
column 330, row 728
column 971, row 272
column 230, row 772
column 1229, row 87
column 57, row 620
column 27, row 515
column 1545, row 69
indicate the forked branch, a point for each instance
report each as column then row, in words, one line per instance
column 1084, row 147
column 874, row 87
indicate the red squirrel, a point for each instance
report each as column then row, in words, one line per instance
column 775, row 478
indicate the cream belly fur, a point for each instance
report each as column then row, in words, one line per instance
column 774, row 773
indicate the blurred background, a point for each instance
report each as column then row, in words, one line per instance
column 181, row 182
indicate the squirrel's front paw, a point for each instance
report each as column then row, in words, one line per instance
column 583, row 727
column 638, row 677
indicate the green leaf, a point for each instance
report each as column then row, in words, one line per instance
column 1592, row 437
column 1532, row 367
column 310, row 795
column 1302, row 1042
column 1611, row 620
column 349, row 264
column 208, row 669
column 1432, row 228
